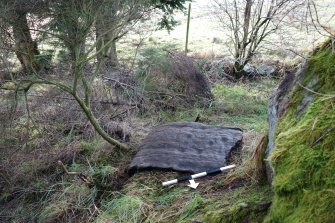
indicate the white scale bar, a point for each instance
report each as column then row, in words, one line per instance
column 198, row 175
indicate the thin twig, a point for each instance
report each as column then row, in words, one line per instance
column 66, row 170
column 82, row 176
column 314, row 92
column 297, row 54
column 323, row 135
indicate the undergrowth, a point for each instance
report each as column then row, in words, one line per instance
column 37, row 189
column 145, row 200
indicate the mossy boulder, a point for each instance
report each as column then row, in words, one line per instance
column 303, row 156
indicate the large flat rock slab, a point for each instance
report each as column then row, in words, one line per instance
column 186, row 146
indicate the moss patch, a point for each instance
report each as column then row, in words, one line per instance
column 304, row 157
column 241, row 205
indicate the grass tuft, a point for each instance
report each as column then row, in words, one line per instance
column 126, row 209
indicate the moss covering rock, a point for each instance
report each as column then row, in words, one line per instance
column 241, row 205
column 304, row 154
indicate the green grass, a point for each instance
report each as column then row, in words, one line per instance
column 126, row 209
column 241, row 105
column 62, row 205
column 191, row 207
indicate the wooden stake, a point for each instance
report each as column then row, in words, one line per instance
column 188, row 27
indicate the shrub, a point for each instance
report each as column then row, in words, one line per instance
column 172, row 79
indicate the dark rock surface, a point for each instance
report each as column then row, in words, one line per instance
column 186, row 146
column 278, row 103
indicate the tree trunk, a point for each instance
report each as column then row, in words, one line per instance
column 113, row 59
column 77, row 51
column 25, row 47
column 108, row 55
column 238, row 71
column 106, row 37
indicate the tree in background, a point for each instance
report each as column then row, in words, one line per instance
column 311, row 16
column 109, row 27
column 115, row 20
column 14, row 15
column 72, row 23
column 64, row 22
column 249, row 23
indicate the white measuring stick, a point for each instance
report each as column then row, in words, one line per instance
column 198, row 175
